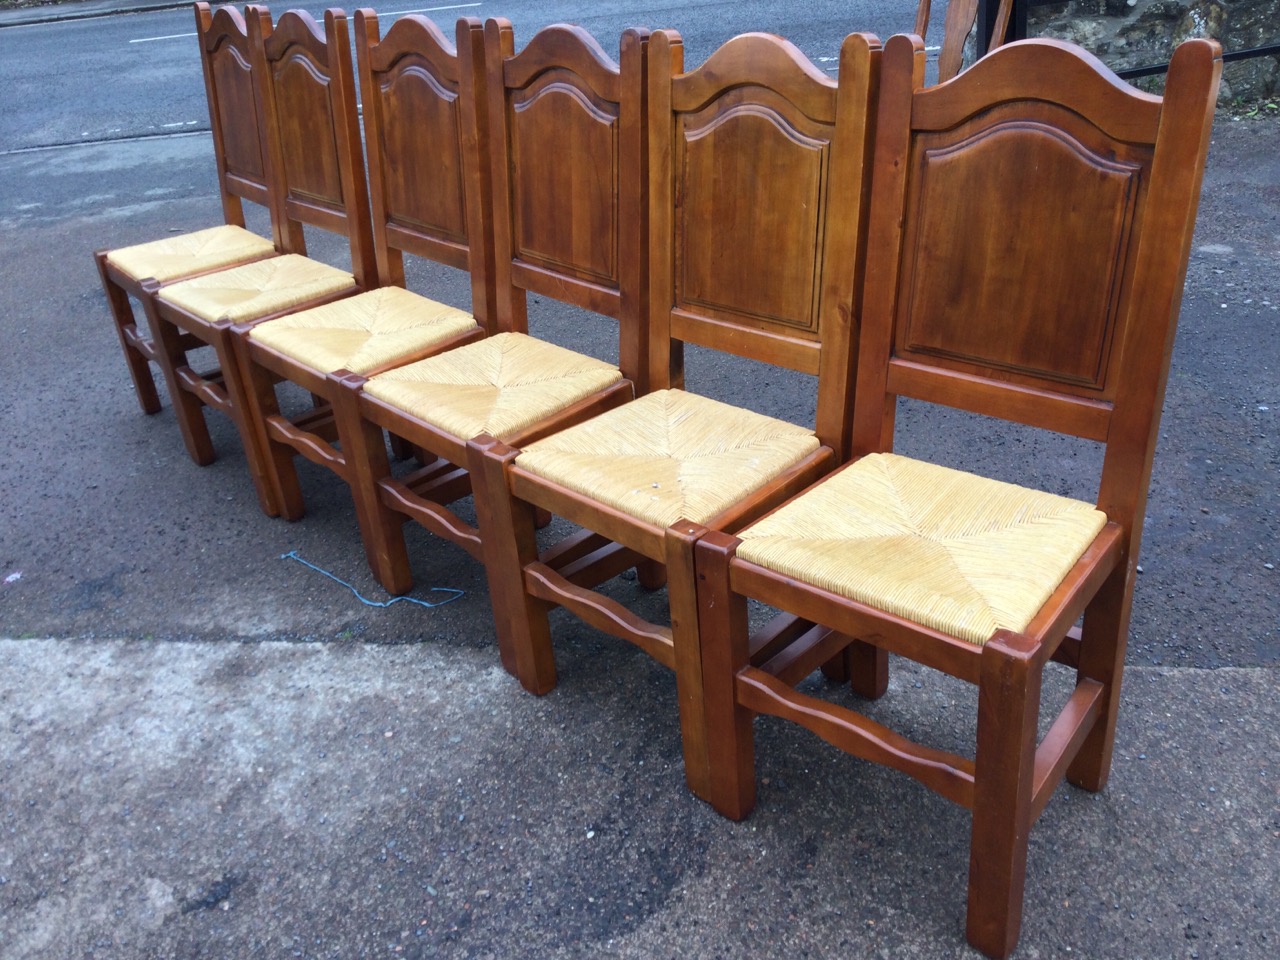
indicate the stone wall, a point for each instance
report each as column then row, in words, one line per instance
column 1137, row 33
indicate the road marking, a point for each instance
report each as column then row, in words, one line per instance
column 452, row 6
column 393, row 13
column 172, row 36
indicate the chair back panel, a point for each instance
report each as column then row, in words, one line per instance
column 415, row 131
column 568, row 166
column 557, row 114
column 233, row 107
column 309, row 102
column 1031, row 224
column 302, row 83
column 757, row 165
column 750, row 148
column 426, row 132
column 1044, row 313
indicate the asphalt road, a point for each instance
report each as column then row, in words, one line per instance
column 117, row 77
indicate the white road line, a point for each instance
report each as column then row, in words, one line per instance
column 392, row 13
column 172, row 36
column 452, row 6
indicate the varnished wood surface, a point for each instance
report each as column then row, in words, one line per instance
column 1029, row 227
column 1029, row 230
column 306, row 112
column 757, row 162
column 234, row 119
column 226, row 62
column 429, row 196
column 567, row 172
column 307, row 90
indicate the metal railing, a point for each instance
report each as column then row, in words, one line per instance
column 1018, row 30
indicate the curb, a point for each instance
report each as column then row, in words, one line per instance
column 58, row 13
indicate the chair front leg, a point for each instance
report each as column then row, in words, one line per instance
column 223, row 343
column 508, row 533
column 144, row 384
column 724, row 647
column 1008, row 711
column 188, row 409
column 364, row 450
column 683, row 598
column 260, row 403
column 651, row 574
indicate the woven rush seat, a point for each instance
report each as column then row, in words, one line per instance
column 364, row 332
column 190, row 253
column 256, row 289
column 670, row 455
column 499, row 386
column 961, row 554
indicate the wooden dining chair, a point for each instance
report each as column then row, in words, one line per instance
column 757, row 168
column 961, row 17
column 567, row 170
column 1030, row 227
column 306, row 94
column 423, row 104
column 237, row 148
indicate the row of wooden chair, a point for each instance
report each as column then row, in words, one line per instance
column 319, row 181
column 1010, row 242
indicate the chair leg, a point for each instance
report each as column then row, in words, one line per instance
column 864, row 666
column 188, row 409
column 254, row 452
column 722, row 629
column 683, row 599
column 868, row 669
column 260, row 403
column 839, row 669
column 1103, row 642
column 364, row 450
column 508, row 532
column 144, row 384
column 651, row 575
column 1004, row 775
column 401, row 448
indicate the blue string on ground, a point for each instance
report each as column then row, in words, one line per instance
column 293, row 555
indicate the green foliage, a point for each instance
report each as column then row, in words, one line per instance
column 1263, row 108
